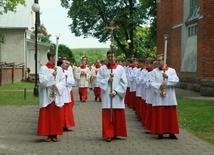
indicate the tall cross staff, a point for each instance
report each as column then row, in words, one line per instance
column 111, row 28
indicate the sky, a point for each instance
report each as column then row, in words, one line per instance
column 55, row 19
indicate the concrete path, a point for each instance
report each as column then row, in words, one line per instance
column 18, row 135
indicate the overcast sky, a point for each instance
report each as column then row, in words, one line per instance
column 54, row 17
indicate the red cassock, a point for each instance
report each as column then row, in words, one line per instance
column 68, row 120
column 72, row 98
column 164, row 120
column 143, row 111
column 83, row 93
column 118, row 125
column 97, row 92
column 127, row 96
column 68, row 115
column 131, row 101
column 148, row 116
column 50, row 120
column 137, row 108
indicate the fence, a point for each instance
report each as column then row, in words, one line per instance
column 11, row 74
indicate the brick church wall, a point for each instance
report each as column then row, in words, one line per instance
column 207, row 48
column 169, row 21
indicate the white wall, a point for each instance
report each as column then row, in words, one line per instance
column 188, row 45
column 41, row 56
column 13, row 48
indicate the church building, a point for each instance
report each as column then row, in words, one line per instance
column 190, row 27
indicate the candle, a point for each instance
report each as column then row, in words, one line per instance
column 57, row 46
column 165, row 49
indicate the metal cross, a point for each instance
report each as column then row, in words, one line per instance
column 111, row 28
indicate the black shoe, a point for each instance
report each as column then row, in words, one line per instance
column 172, row 136
column 66, row 129
column 115, row 137
column 147, row 132
column 80, row 98
column 48, row 139
column 95, row 99
column 54, row 138
column 108, row 139
column 100, row 100
column 160, row 136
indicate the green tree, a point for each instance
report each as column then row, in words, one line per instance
column 92, row 54
column 46, row 39
column 151, row 15
column 90, row 18
column 10, row 5
column 143, row 43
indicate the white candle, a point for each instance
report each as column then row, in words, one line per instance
column 57, row 46
column 165, row 49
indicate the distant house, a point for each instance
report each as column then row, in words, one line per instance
column 18, row 31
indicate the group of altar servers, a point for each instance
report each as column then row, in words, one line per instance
column 85, row 76
column 151, row 94
column 56, row 98
column 138, row 84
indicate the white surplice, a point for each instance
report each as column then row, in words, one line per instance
column 119, row 85
column 69, row 81
column 94, row 72
column 47, row 80
column 82, row 80
column 156, row 80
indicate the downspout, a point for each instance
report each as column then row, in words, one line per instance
column 25, row 52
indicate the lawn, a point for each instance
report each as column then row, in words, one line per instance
column 14, row 94
column 195, row 116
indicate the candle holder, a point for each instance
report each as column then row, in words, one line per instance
column 163, row 90
column 53, row 92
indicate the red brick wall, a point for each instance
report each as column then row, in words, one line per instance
column 174, row 54
column 177, row 12
column 200, row 47
column 164, row 22
column 207, row 57
column 169, row 14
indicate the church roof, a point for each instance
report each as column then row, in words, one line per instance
column 19, row 19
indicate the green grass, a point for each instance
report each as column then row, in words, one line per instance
column 197, row 117
column 18, row 86
column 13, row 94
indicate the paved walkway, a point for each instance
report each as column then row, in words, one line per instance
column 192, row 95
column 19, row 124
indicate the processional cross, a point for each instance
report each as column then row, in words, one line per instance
column 111, row 28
